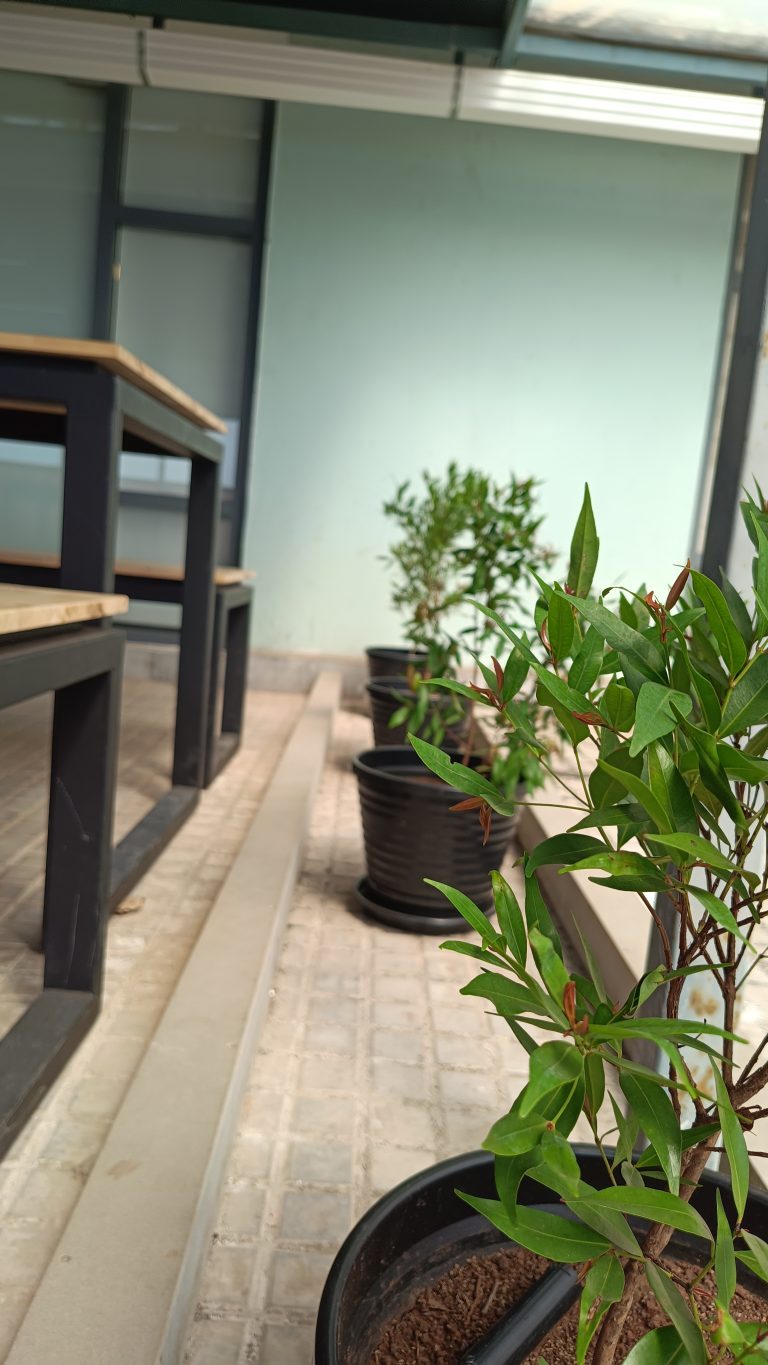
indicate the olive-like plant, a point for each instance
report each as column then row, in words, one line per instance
column 461, row 537
column 665, row 705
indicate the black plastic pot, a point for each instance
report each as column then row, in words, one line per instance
column 386, row 696
column 421, row 1229
column 386, row 662
column 411, row 833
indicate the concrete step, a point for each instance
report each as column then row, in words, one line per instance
column 121, row 1284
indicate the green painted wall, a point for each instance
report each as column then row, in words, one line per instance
column 519, row 300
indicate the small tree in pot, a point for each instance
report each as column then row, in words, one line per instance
column 666, row 711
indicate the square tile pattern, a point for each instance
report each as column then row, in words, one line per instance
column 371, row 1067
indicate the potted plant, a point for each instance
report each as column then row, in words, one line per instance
column 464, row 534
column 461, row 536
column 666, row 710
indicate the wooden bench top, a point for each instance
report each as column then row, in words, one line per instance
column 118, row 361
column 24, row 609
column 225, row 576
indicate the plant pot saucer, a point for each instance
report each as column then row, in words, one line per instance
column 398, row 915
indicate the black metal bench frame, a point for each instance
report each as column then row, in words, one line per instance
column 83, row 667
column 95, row 416
column 230, row 638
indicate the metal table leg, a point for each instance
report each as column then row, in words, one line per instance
column 196, row 627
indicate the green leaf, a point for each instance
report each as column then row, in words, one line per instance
column 735, row 1145
column 587, row 663
column 635, row 871
column 694, row 848
column 733, row 651
column 513, row 1135
column 639, row 789
column 537, row 915
column 594, row 1082
column 618, row 707
column 507, row 996
column 659, row 1122
column 558, row 1239
column 669, row 788
column 759, row 1253
column 655, row 717
column 628, row 1128
column 467, row 909
column 584, row 549
column 657, row 1206
column 719, row 912
column 561, row 626
column 711, row 771
column 725, row 1258
column 608, row 1222
column 708, row 699
column 738, row 609
column 643, row 654
column 558, row 1156
column 515, row 673
column 510, row 917
column 562, row 849
column 687, row 1029
column 603, row 1285
column 553, row 1065
column 679, row 1313
column 605, row 817
column 462, row 778
column 742, row 766
column 691, row 1137
column 747, row 704
column 660, row 1347
column 472, row 950
column 572, row 701
column 551, row 967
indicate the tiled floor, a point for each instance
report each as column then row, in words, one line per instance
column 371, row 1067
column 42, row 1176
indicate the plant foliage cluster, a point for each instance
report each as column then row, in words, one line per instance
column 665, row 708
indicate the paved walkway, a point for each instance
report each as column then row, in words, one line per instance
column 371, row 1067
column 42, row 1176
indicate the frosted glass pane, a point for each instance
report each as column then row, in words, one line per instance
column 197, row 153
column 51, row 135
column 181, row 307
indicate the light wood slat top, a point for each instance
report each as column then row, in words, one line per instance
column 225, row 576
column 120, row 362
column 24, row 609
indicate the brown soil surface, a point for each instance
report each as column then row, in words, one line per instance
column 456, row 1310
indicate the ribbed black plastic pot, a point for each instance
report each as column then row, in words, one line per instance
column 419, row 1230
column 386, row 696
column 411, row 833
column 393, row 662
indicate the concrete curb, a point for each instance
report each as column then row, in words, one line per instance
column 122, row 1282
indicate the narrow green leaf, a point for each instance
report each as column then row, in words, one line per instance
column 743, row 766
column 759, row 1252
column 655, row 716
column 467, row 909
column 657, row 1206
column 537, row 915
column 735, row 1145
column 510, row 917
column 584, row 549
column 639, row 789
column 669, row 787
column 622, row 817
column 642, row 653
column 747, row 704
column 587, row 663
column 725, row 1258
column 694, row 850
column 719, row 912
column 558, row 1156
column 662, row 1346
column 459, row 776
column 630, row 867
column 558, row 1239
column 561, row 627
column 567, row 696
column 513, row 1135
column 732, row 648
column 618, row 707
column 594, row 1082
column 603, row 1285
column 738, row 609
column 691, row 1137
column 562, row 849
column 659, row 1123
column 679, row 1313
column 507, row 996
column 553, row 1065
column 551, row 967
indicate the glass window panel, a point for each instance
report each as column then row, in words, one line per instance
column 192, row 152
column 51, row 134
column 181, row 307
